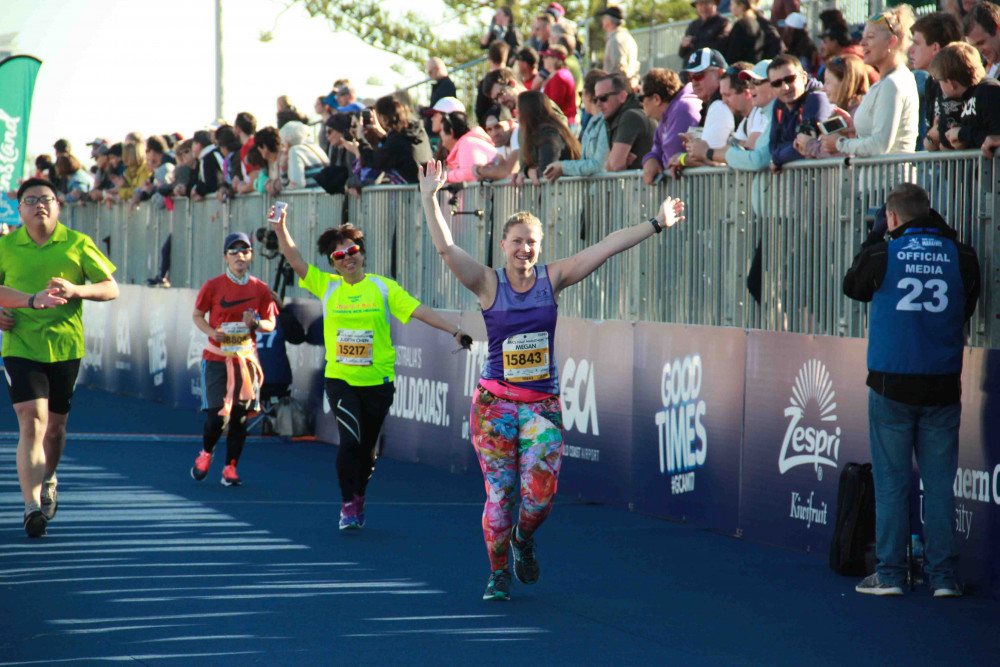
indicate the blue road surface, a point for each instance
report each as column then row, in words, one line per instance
column 142, row 564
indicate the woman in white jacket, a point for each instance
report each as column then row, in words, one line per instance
column 304, row 156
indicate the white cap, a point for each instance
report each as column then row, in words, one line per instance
column 449, row 104
column 793, row 20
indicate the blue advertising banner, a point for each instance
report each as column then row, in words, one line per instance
column 688, row 423
column 805, row 416
column 595, row 381
column 17, row 85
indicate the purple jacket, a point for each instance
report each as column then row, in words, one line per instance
column 682, row 112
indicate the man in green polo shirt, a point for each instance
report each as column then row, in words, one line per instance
column 42, row 348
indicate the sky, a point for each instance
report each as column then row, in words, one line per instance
column 113, row 66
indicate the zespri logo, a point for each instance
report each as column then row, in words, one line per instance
column 812, row 437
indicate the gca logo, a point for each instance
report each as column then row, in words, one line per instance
column 811, row 413
column 123, row 337
column 579, row 396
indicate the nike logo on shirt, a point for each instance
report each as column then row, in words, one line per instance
column 230, row 304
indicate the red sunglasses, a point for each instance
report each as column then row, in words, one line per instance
column 347, row 252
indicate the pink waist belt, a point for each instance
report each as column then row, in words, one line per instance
column 510, row 392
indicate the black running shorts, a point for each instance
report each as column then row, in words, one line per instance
column 28, row 380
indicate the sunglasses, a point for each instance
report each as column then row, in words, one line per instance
column 347, row 252
column 698, row 76
column 889, row 23
column 789, row 80
column 232, row 252
column 601, row 99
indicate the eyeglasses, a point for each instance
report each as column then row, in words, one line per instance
column 44, row 201
column 789, row 80
column 889, row 22
column 346, row 252
column 232, row 252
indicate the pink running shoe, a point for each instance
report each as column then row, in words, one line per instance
column 201, row 465
column 229, row 476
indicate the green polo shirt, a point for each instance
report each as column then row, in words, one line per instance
column 359, row 348
column 52, row 334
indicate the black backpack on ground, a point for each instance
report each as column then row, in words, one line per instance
column 854, row 531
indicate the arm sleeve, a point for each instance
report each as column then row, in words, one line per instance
column 868, row 270
column 592, row 164
column 296, row 167
column 988, row 110
column 887, row 112
column 752, row 160
column 96, row 267
column 549, row 148
column 401, row 304
column 315, row 281
column 719, row 125
column 203, row 301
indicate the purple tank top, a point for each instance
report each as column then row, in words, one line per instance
column 521, row 328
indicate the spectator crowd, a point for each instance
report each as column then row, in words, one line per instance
column 754, row 93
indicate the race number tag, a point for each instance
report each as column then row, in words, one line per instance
column 355, row 346
column 526, row 357
column 237, row 338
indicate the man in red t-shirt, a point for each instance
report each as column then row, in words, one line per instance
column 238, row 306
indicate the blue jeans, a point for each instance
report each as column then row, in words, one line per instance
column 898, row 431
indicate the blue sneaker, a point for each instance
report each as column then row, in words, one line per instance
column 359, row 511
column 498, row 587
column 525, row 564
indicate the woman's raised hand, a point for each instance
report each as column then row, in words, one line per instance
column 671, row 212
column 432, row 177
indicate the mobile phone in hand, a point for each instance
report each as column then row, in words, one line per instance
column 279, row 208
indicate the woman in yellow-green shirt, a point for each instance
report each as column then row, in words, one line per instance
column 360, row 358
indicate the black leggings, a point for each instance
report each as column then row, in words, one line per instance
column 360, row 412
column 235, row 439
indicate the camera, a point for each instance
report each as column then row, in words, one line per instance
column 810, row 127
column 366, row 117
column 269, row 239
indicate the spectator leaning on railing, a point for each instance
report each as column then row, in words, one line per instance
column 305, row 159
column 593, row 140
column 887, row 120
column 959, row 70
column 676, row 108
column 245, row 127
column 401, row 150
column 545, row 137
column 501, row 128
column 137, row 172
column 845, row 81
column 705, row 69
column 467, row 147
column 508, row 159
column 75, row 181
column 736, row 96
column 931, row 33
column 496, row 58
column 801, row 103
column 630, row 130
column 268, row 143
column 621, row 53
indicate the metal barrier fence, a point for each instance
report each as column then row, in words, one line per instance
column 809, row 221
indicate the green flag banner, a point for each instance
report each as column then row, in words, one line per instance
column 17, row 84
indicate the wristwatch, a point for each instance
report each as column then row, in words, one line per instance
column 709, row 153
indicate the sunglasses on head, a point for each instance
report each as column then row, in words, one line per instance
column 790, row 79
column 346, row 252
column 889, row 22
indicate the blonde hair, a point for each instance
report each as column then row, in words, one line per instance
column 898, row 22
column 133, row 155
column 522, row 218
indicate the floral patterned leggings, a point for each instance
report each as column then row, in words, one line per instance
column 509, row 438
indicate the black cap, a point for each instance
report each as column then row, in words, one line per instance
column 614, row 11
column 339, row 121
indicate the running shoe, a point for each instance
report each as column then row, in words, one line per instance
column 359, row 511
column 498, row 587
column 872, row 585
column 348, row 516
column 34, row 523
column 201, row 465
column 525, row 565
column 50, row 501
column 229, row 476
